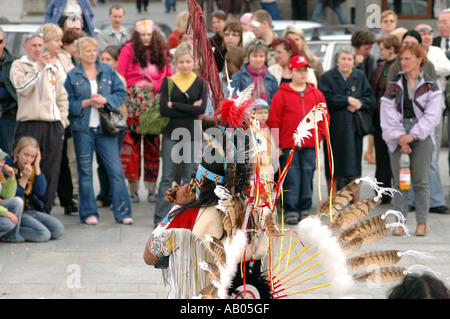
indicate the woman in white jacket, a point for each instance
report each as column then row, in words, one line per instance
column 409, row 112
column 442, row 67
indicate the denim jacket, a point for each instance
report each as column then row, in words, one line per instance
column 242, row 79
column 55, row 10
column 79, row 89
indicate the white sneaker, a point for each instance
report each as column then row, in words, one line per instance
column 91, row 220
column 127, row 221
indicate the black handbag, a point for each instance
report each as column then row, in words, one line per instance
column 363, row 123
column 112, row 121
column 362, row 118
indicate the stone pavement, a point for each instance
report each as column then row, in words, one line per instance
column 105, row 261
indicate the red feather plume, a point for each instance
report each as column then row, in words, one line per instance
column 203, row 51
column 232, row 115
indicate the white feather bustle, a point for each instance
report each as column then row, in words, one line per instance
column 331, row 255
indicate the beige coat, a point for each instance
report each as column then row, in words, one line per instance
column 40, row 91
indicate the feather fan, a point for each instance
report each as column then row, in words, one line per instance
column 340, row 199
column 381, row 258
column 363, row 228
column 308, row 123
column 353, row 213
column 383, row 274
column 357, row 242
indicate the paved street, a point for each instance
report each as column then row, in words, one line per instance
column 105, row 261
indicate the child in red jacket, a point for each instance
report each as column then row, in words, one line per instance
column 290, row 105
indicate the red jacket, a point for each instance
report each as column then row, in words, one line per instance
column 288, row 108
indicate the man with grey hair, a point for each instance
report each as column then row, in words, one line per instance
column 8, row 97
column 443, row 40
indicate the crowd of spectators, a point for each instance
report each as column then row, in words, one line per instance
column 52, row 96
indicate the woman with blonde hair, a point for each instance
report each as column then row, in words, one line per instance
column 53, row 43
column 296, row 33
column 35, row 225
column 388, row 22
column 93, row 85
column 180, row 27
column 183, row 99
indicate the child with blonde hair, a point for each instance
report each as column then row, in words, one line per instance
column 36, row 225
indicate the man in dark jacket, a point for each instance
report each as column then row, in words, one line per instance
column 362, row 41
column 8, row 97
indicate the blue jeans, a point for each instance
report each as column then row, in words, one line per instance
column 7, row 227
column 298, row 185
column 272, row 8
column 318, row 13
column 168, row 3
column 40, row 227
column 85, row 143
column 170, row 159
column 105, row 191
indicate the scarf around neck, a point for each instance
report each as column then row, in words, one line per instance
column 258, row 81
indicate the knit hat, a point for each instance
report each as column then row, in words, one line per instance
column 413, row 33
column 2, row 154
column 297, row 62
column 246, row 18
column 145, row 26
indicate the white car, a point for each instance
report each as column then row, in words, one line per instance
column 17, row 32
column 326, row 51
column 278, row 26
column 15, row 36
